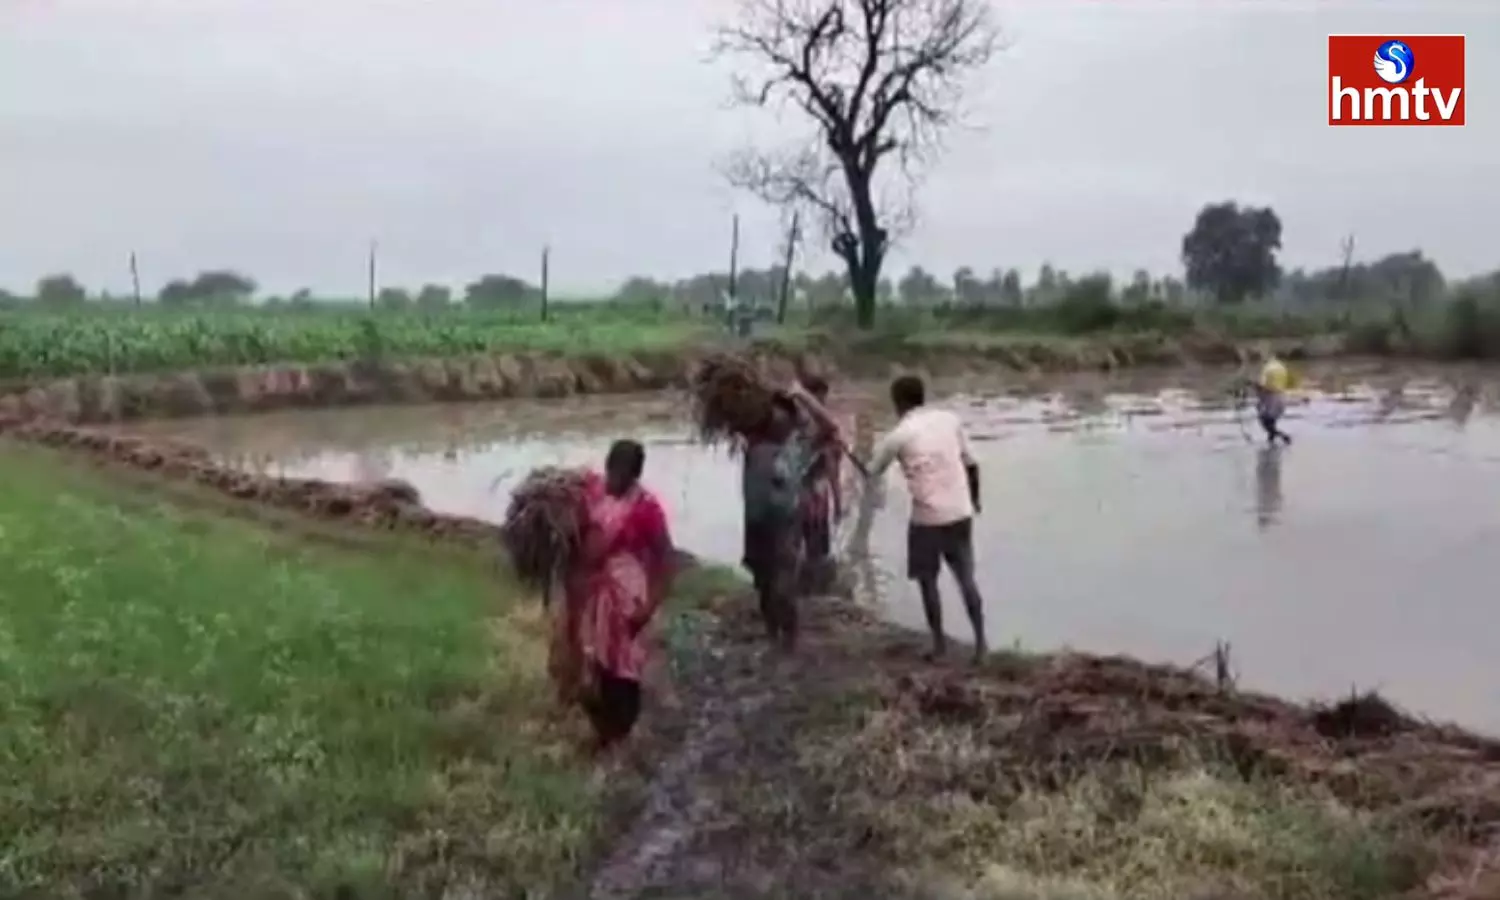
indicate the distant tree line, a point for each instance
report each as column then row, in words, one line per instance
column 227, row 289
column 1229, row 257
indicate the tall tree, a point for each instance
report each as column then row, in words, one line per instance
column 394, row 298
column 60, row 290
column 210, row 288
column 1011, row 291
column 497, row 292
column 877, row 82
column 918, row 287
column 434, row 297
column 638, row 290
column 1138, row 292
column 1231, row 251
column 968, row 290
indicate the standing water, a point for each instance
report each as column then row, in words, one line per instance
column 1153, row 524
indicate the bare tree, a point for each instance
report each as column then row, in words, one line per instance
column 879, row 82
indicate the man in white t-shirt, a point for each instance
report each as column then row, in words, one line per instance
column 943, row 479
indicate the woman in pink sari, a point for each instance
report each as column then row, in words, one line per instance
column 627, row 567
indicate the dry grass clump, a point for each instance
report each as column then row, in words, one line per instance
column 1101, row 822
column 544, row 525
column 1108, row 779
column 1192, row 831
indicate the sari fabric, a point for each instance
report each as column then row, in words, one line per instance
column 627, row 555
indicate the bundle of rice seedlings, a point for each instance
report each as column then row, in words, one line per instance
column 544, row 525
column 730, row 398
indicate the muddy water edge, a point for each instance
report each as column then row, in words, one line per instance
column 1126, row 516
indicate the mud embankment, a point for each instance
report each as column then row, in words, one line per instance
column 387, row 505
column 858, row 769
column 98, row 399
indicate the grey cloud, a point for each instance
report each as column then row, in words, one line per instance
column 280, row 136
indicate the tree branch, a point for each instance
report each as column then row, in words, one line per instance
column 791, row 179
column 874, row 79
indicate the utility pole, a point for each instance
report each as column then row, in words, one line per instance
column 374, row 248
column 135, row 279
column 793, row 234
column 546, row 266
column 734, row 255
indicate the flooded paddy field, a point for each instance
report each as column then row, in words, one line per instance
column 1132, row 515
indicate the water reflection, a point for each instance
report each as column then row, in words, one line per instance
column 1465, row 399
column 1122, row 528
column 373, row 464
column 1267, row 486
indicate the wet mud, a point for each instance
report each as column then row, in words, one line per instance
column 804, row 776
column 96, row 399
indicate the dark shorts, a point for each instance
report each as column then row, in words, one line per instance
column 773, row 554
column 1270, row 407
column 928, row 546
column 773, row 548
column 613, row 706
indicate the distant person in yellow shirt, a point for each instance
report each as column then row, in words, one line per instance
column 1270, row 397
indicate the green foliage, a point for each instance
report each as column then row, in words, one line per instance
column 97, row 340
column 1466, row 326
column 60, row 291
column 434, row 298
column 498, row 292
column 208, row 290
column 1403, row 305
column 1088, row 305
column 205, row 706
column 394, row 298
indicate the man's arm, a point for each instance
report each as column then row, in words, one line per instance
column 814, row 408
column 971, row 464
column 964, row 449
column 886, row 450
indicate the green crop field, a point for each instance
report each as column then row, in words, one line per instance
column 194, row 703
column 92, row 341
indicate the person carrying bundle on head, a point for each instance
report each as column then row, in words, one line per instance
column 1270, row 396
column 614, row 589
column 777, row 460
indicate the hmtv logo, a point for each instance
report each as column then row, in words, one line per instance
column 1387, row 80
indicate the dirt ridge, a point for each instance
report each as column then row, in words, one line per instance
column 99, row 399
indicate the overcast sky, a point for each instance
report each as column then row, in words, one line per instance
column 279, row 136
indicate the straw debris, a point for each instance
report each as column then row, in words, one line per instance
column 544, row 525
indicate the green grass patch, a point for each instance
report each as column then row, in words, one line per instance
column 201, row 705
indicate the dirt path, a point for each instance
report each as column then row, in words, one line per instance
column 701, row 834
column 853, row 769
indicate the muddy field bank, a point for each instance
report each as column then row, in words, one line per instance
column 97, row 399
